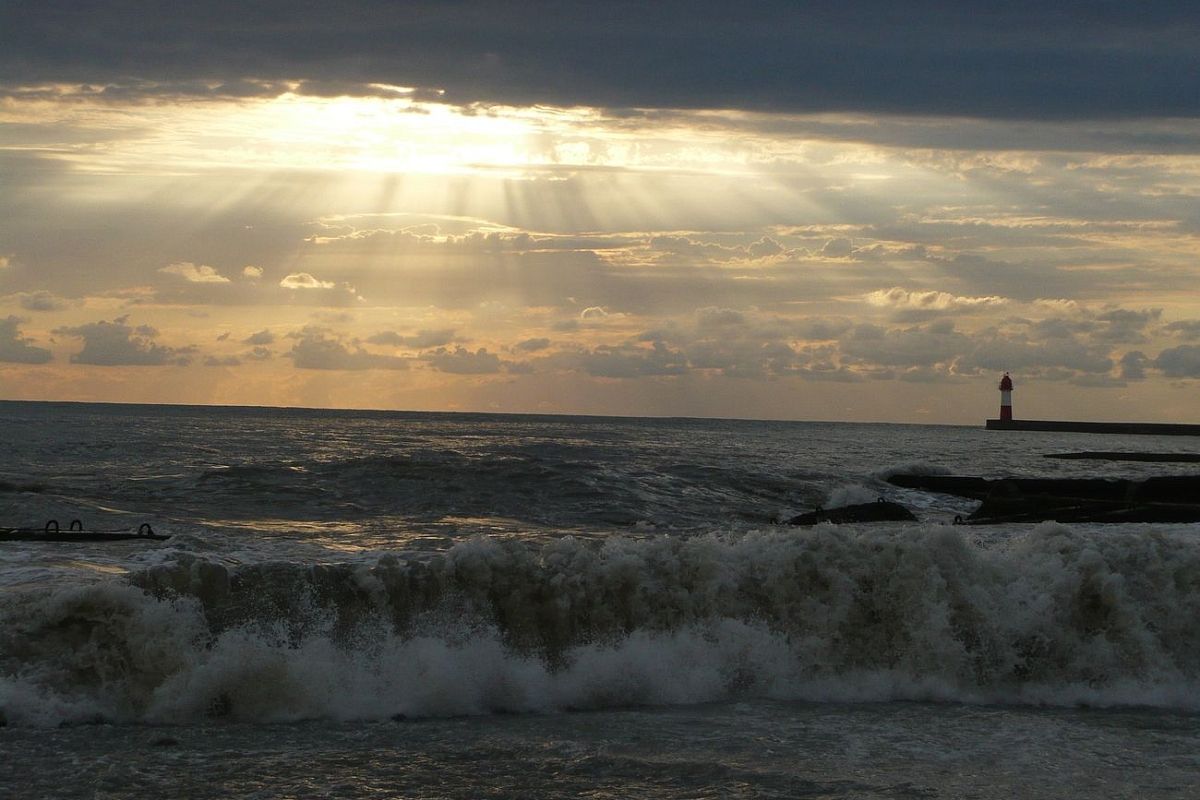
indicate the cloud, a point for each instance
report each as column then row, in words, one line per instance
column 713, row 317
column 997, row 352
column 940, row 58
column 420, row 340
column 837, row 248
column 1112, row 325
column 624, row 361
column 1026, row 280
column 1133, row 366
column 262, row 337
column 1125, row 325
column 932, row 301
column 193, row 273
column 532, row 345
column 463, row 362
column 765, row 247
column 16, row 348
column 1058, row 304
column 745, row 357
column 42, row 300
column 907, row 347
column 334, row 317
column 695, row 250
column 319, row 348
column 222, row 361
column 1186, row 329
column 252, row 273
column 822, row 327
column 191, row 285
column 303, row 280
column 1180, row 362
column 116, row 343
column 1061, row 328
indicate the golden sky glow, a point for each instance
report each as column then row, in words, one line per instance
column 394, row 250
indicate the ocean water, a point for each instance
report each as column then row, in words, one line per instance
column 359, row 604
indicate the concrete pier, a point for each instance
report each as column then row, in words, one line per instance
column 1062, row 426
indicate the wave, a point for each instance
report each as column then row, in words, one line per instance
column 1059, row 617
column 548, row 486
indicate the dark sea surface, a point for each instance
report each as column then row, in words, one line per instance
column 363, row 604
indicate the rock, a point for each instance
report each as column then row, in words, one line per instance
column 1179, row 458
column 879, row 511
column 962, row 486
column 1158, row 499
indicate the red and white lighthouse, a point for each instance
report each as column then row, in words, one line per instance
column 1006, row 387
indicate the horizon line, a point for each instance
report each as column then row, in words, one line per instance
column 400, row 411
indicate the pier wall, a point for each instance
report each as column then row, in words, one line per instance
column 1064, row 426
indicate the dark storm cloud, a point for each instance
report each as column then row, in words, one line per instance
column 1017, row 59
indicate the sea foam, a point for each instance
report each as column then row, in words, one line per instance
column 1058, row 617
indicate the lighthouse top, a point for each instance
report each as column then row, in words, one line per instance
column 1006, row 383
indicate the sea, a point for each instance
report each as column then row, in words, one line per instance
column 360, row 604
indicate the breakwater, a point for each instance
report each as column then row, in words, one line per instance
column 1064, row 426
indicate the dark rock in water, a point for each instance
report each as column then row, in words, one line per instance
column 1164, row 458
column 165, row 741
column 94, row 719
column 5, row 486
column 880, row 511
column 1160, row 499
column 962, row 486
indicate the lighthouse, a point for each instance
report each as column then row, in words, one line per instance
column 1006, row 387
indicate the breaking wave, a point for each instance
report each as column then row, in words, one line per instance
column 1057, row 617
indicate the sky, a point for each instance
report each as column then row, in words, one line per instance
column 849, row 210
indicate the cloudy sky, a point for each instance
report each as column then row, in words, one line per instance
column 850, row 210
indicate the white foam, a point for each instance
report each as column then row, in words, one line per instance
column 1059, row 617
column 850, row 495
